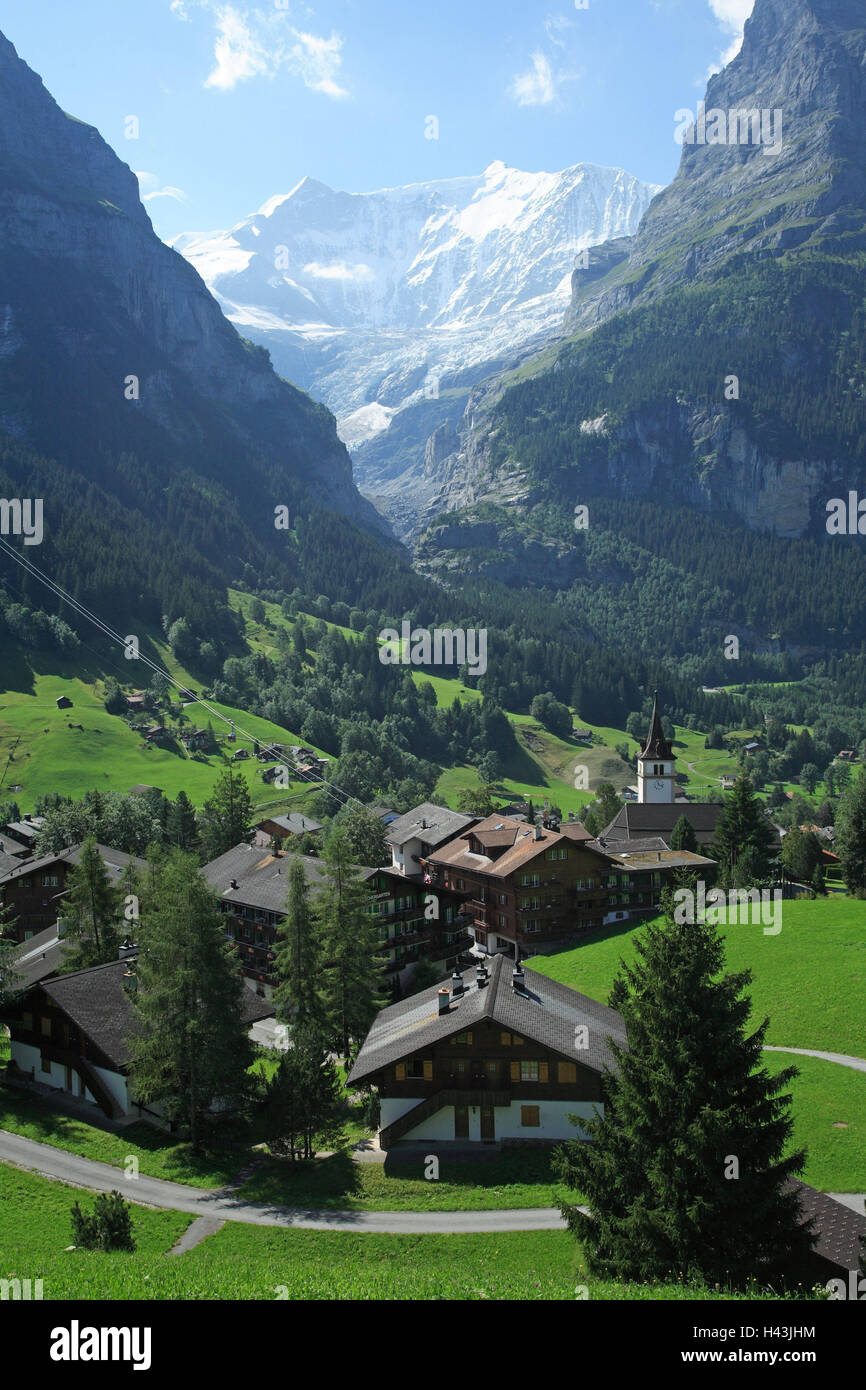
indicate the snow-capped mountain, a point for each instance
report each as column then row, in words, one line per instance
column 368, row 300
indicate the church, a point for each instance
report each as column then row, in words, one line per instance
column 655, row 813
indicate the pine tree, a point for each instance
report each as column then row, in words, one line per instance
column 181, row 826
column 303, row 1098
column 353, row 977
column 686, row 1175
column 850, row 842
column 683, row 835
column 742, row 827
column 192, row 1048
column 90, row 913
column 297, row 959
column 226, row 818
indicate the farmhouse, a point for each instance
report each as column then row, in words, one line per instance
column 71, row 1033
column 414, row 836
column 35, row 888
column 284, row 827
column 23, row 833
column 506, row 1054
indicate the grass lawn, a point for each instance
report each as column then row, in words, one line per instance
column 512, row 1179
column 255, row 1262
column 159, row 1155
column 810, row 979
column 829, row 1108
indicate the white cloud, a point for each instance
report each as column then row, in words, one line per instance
column 732, row 15
column 178, row 7
column 338, row 270
column 253, row 43
column 555, row 26
column 537, row 86
column 149, row 188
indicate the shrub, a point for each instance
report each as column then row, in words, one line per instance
column 107, row 1227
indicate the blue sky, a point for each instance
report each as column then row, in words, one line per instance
column 235, row 102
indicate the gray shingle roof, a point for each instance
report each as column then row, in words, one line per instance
column 96, row 1001
column 37, row 958
column 115, row 861
column 295, row 823
column 548, row 1014
column 638, row 819
column 262, row 877
column 428, row 822
column 838, row 1229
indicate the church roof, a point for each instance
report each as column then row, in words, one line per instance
column 656, row 746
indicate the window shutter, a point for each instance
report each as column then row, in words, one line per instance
column 542, row 1071
column 518, row 1041
column 401, row 1071
column 505, row 1039
column 468, row 1039
column 567, row 1072
column 428, row 1071
column 515, row 1070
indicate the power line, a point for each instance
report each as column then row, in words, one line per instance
column 82, row 609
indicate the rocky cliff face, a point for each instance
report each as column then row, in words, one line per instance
column 70, row 217
column 784, row 169
column 733, row 204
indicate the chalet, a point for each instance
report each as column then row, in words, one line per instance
column 417, row 923
column 847, row 755
column 38, row 958
column 71, row 1033
column 415, row 835
column 527, row 885
column 63, row 702
column 653, row 820
column 135, row 702
column 385, row 814
column 23, row 833
column 284, row 827
column 35, row 888
column 754, row 746
column 505, row 1055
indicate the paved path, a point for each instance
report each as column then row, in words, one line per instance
column 222, row 1205
column 856, row 1063
column 195, row 1233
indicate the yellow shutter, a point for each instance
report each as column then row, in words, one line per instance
column 401, row 1071
column 468, row 1039
column 505, row 1039
column 515, row 1070
column 567, row 1072
column 428, row 1071
column 542, row 1071
column 518, row 1041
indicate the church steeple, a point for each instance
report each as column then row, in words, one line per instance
column 656, row 771
column 656, row 746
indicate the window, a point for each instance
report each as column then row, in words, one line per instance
column 501, row 922
column 505, row 1039
column 415, row 1069
column 529, row 1116
column 529, row 1071
column 465, row 1038
column 45, row 1062
column 46, row 1027
column 460, row 1068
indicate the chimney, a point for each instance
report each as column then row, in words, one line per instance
column 130, row 980
column 482, row 976
column 234, row 883
column 539, row 833
column 518, row 980
column 128, row 948
column 457, row 984
column 444, row 1002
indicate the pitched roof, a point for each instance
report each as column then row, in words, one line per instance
column 261, row 875
column 643, row 858
column 115, row 861
column 838, row 1229
column 518, row 838
column 96, row 1001
column 295, row 823
column 656, row 745
column 38, row 957
column 548, row 1014
column 430, row 823
column 638, row 819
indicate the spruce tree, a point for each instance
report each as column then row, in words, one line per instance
column 297, row 959
column 190, row 1050
column 683, row 835
column 91, row 912
column 226, row 817
column 181, row 826
column 303, row 1098
column 353, row 977
column 687, row 1175
column 742, row 827
column 850, row 842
